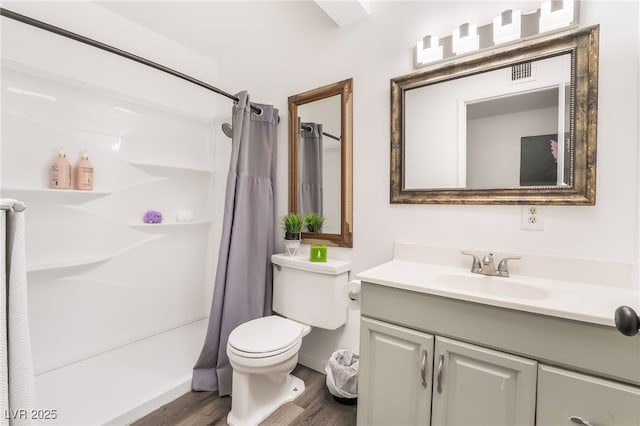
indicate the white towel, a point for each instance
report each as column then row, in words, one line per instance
column 4, row 356
column 17, row 384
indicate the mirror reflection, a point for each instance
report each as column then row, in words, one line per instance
column 319, row 160
column 496, row 129
column 513, row 140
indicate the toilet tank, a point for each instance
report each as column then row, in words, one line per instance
column 312, row 293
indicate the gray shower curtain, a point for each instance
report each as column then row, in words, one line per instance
column 310, row 169
column 17, row 383
column 243, row 279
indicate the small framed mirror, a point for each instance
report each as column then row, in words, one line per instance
column 320, row 161
column 514, row 125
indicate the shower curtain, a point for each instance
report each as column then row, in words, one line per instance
column 17, row 384
column 310, row 169
column 243, row 281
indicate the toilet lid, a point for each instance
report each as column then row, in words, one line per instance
column 266, row 334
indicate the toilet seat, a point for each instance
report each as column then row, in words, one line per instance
column 266, row 337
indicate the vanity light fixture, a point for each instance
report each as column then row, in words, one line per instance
column 510, row 25
column 507, row 26
column 428, row 50
column 556, row 14
column 465, row 38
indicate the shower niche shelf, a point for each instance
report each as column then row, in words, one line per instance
column 47, row 195
column 67, row 264
column 169, row 171
column 167, row 226
column 86, row 262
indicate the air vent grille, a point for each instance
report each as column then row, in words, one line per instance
column 521, row 71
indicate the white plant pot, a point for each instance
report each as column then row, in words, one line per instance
column 291, row 247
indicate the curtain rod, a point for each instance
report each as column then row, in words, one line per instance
column 329, row 135
column 82, row 39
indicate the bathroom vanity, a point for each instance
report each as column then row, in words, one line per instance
column 442, row 346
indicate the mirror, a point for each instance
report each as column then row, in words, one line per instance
column 485, row 130
column 320, row 160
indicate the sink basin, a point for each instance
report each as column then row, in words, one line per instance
column 491, row 286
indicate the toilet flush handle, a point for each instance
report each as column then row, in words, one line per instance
column 580, row 421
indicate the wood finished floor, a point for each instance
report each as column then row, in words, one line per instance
column 315, row 406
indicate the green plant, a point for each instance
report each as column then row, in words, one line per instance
column 314, row 222
column 292, row 223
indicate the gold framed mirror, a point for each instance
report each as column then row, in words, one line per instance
column 514, row 125
column 320, row 161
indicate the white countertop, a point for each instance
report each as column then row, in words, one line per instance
column 565, row 299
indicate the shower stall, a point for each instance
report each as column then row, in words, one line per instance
column 117, row 307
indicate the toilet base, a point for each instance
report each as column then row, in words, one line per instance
column 267, row 393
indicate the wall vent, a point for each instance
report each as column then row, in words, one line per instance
column 521, row 71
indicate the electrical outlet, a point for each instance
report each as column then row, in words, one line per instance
column 531, row 219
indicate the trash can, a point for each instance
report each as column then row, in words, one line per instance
column 342, row 376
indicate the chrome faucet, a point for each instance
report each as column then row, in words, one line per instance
column 487, row 267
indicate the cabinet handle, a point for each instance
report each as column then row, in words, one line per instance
column 423, row 368
column 580, row 421
column 440, row 373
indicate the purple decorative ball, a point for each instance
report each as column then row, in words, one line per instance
column 152, row 216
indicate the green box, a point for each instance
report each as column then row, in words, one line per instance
column 318, row 253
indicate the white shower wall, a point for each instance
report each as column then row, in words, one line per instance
column 117, row 307
column 90, row 252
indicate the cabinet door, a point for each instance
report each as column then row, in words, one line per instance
column 395, row 375
column 478, row 386
column 568, row 398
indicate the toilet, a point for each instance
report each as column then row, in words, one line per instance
column 263, row 352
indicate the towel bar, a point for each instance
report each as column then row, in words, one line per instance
column 16, row 206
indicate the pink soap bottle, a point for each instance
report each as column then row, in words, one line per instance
column 84, row 173
column 60, row 176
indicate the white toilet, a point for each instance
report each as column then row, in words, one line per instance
column 264, row 351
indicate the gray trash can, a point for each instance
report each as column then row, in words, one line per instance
column 342, row 376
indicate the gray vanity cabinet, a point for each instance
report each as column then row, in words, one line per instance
column 499, row 366
column 479, row 386
column 402, row 384
column 566, row 398
column 395, row 375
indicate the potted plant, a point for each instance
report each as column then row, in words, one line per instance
column 292, row 224
column 314, row 222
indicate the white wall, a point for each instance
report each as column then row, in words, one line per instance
column 379, row 48
column 87, row 64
